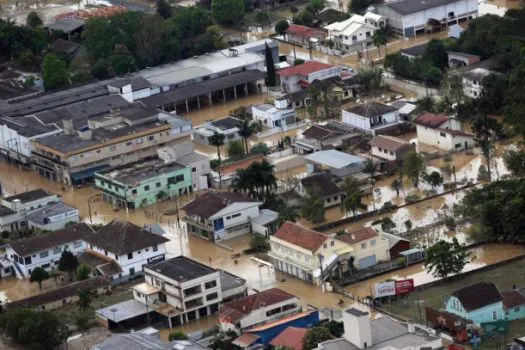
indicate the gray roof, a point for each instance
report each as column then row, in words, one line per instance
column 144, row 341
column 142, row 170
column 137, row 83
column 191, row 158
column 371, row 109
column 12, row 89
column 67, row 25
column 415, row 51
column 155, row 229
column 356, row 312
column 230, row 281
column 28, row 126
column 181, row 269
column 30, row 196
column 226, row 123
column 406, row 7
column 39, row 216
column 123, row 311
column 333, row 158
column 5, row 211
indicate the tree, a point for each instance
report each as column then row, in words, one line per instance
column 493, row 93
column 312, row 206
column 262, row 18
column 446, row 258
column 260, row 148
column 240, row 112
column 353, row 196
column 270, row 67
column 304, row 18
column 33, row 20
column 163, row 9
column 227, row 12
column 83, row 319
column 453, row 87
column 217, row 140
column 485, row 129
column 397, row 185
column 314, row 94
column 515, row 162
column 316, row 6
column 414, row 167
column 68, row 262
column 235, row 149
column 259, row 243
column 177, row 335
column 370, row 168
column 257, row 180
column 434, row 179
column 429, row 73
column 54, row 72
column 38, row 275
column 370, row 78
column 359, row 6
column 314, row 336
column 83, row 271
column 287, row 213
column 380, row 38
column 84, row 299
column 436, row 54
column 281, row 27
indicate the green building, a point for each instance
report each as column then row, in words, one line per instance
column 143, row 183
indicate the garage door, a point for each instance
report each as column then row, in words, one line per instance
column 367, row 262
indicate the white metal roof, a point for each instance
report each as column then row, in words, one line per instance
column 333, row 158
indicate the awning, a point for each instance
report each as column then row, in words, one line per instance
column 84, row 174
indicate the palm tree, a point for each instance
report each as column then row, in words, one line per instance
column 217, row 140
column 380, row 39
column 352, row 196
column 370, row 168
column 245, row 131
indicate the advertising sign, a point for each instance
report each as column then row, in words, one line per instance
column 404, row 286
column 493, row 328
column 385, row 289
column 156, row 259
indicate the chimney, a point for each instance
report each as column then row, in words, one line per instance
column 68, row 126
column 85, row 133
column 357, row 328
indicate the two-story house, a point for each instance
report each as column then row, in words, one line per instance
column 390, row 148
column 14, row 209
column 356, row 31
column 256, row 309
column 321, row 184
column 303, row 35
column 368, row 246
column 299, row 77
column 222, row 215
column 229, row 127
column 443, row 132
column 479, row 302
column 45, row 250
column 301, row 252
column 274, row 116
column 371, row 117
column 129, row 246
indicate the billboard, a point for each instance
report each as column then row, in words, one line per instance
column 390, row 288
column 404, row 286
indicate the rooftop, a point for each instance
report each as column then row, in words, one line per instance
column 182, row 269
column 415, row 51
column 11, row 89
column 123, row 311
column 5, row 211
column 28, row 126
column 27, row 246
column 303, row 31
column 66, row 25
column 66, row 46
column 211, row 202
column 371, row 109
column 145, row 169
column 431, row 120
column 322, row 182
column 291, row 338
column 406, row 7
column 230, row 281
column 226, row 123
column 191, row 158
column 358, row 235
column 123, row 237
column 512, row 299
column 390, row 143
column 137, row 83
column 138, row 341
column 30, row 196
column 300, row 236
column 304, row 69
column 478, row 295
column 40, row 216
column 334, row 159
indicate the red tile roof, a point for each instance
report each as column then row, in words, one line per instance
column 300, row 236
column 455, row 132
column 304, row 31
column 304, row 69
column 389, row 142
column 358, row 235
column 431, row 120
column 512, row 299
column 235, row 310
column 246, row 340
column 291, row 337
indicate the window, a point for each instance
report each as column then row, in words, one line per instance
column 130, row 256
column 332, row 243
column 77, row 244
column 146, row 188
column 494, row 315
column 106, row 252
column 151, row 138
column 44, row 254
column 132, row 271
column 373, row 242
column 98, row 150
column 57, row 250
column 236, row 215
column 194, row 169
column 354, row 38
column 363, row 245
column 458, row 145
column 442, row 134
column 211, row 284
column 335, row 198
column 134, row 191
column 157, row 184
column 328, row 200
column 517, row 309
column 179, row 178
column 212, row 296
column 129, row 143
column 46, row 266
column 325, row 245
column 367, row 34
column 155, row 248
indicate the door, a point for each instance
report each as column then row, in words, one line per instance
column 367, row 262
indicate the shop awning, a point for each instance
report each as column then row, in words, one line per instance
column 84, row 174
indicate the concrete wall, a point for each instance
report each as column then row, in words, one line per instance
column 259, row 316
column 443, row 140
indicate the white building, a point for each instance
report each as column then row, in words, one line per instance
column 443, row 132
column 229, row 127
column 368, row 247
column 472, row 81
column 360, row 332
column 370, row 117
column 130, row 247
column 409, row 17
column 53, row 217
column 45, row 250
column 390, row 148
column 223, row 215
column 131, row 89
column 301, row 76
column 336, row 162
column 274, row 116
column 356, row 31
column 262, row 307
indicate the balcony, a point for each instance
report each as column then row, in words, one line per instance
column 192, row 291
column 193, row 304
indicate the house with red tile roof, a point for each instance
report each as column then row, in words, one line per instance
column 390, row 148
column 369, row 247
column 443, row 132
column 290, row 338
column 257, row 309
column 301, row 34
column 299, row 77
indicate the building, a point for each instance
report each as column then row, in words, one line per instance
column 390, row 148
column 321, row 184
column 232, row 287
column 129, row 246
column 396, row 245
column 480, row 302
column 113, row 137
column 371, row 117
column 411, row 17
column 355, row 32
column 53, row 217
column 180, row 289
column 144, row 182
column 229, row 127
column 274, row 116
column 45, row 250
column 414, row 51
column 341, row 88
column 298, row 251
column 60, row 296
column 337, row 163
column 303, row 35
column 290, row 338
column 256, row 309
column 368, row 247
column 473, row 81
column 199, row 164
column 443, row 132
column 381, row 333
column 301, row 76
column 222, row 215
column 131, row 89
column 405, row 108
column 514, row 304
column 460, row 59
column 332, row 135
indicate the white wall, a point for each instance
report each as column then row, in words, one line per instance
column 15, row 143
column 202, row 168
column 259, row 316
column 56, row 224
column 324, row 74
column 365, row 123
column 247, row 211
column 383, row 153
column 442, row 140
column 472, row 88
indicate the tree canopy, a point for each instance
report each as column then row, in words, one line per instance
column 227, row 12
column 314, row 336
column 257, row 180
column 414, row 167
column 68, row 262
column 38, row 275
column 54, row 72
column 446, row 258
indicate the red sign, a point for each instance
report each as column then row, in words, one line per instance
column 404, row 286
